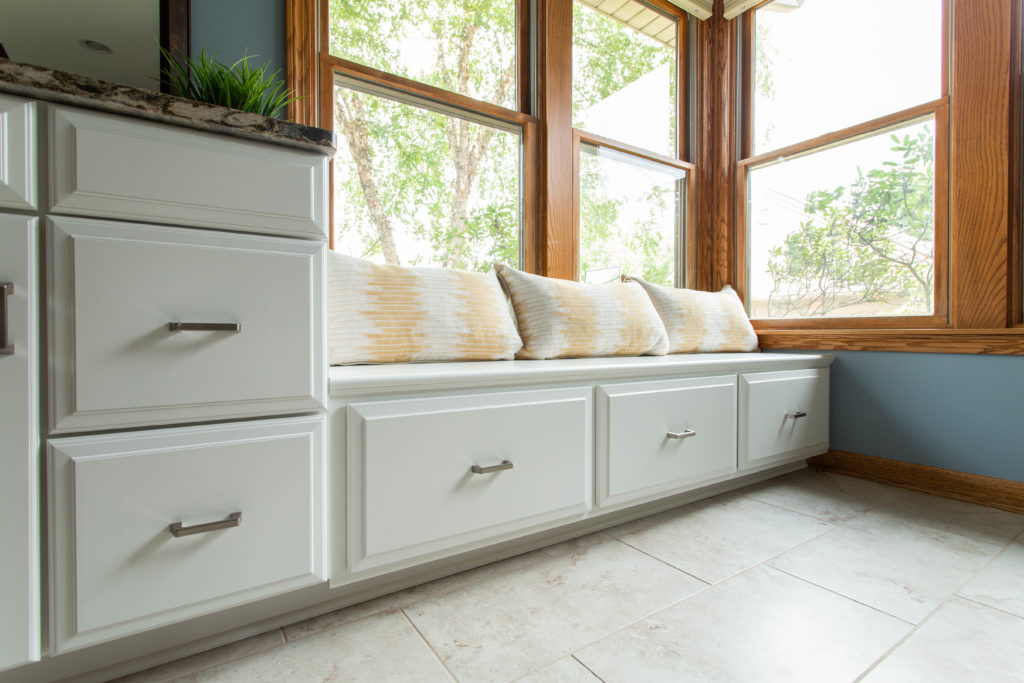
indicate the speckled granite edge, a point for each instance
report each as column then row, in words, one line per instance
column 37, row 82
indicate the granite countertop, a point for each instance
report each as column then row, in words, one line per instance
column 40, row 83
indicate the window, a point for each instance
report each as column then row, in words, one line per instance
column 844, row 172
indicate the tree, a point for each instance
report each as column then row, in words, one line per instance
column 869, row 242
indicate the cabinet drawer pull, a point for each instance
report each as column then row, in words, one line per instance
column 796, row 414
column 204, row 327
column 6, row 347
column 503, row 465
column 234, row 519
column 686, row 433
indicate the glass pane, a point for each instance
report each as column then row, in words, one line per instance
column 624, row 73
column 846, row 232
column 631, row 217
column 417, row 187
column 465, row 46
column 823, row 65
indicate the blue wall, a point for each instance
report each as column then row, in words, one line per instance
column 960, row 412
column 233, row 28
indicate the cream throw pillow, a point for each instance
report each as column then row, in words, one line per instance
column 702, row 321
column 391, row 314
column 563, row 319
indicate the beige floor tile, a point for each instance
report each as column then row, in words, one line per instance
column 576, row 545
column 208, row 659
column 962, row 642
column 1001, row 583
column 717, row 538
column 828, row 497
column 384, row 647
column 505, row 627
column 407, row 597
column 976, row 521
column 565, row 670
column 901, row 568
column 762, row 625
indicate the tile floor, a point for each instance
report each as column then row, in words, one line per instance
column 808, row 577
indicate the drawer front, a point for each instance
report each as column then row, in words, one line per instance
column 412, row 491
column 104, row 165
column 118, row 569
column 19, row 442
column 17, row 153
column 784, row 416
column 115, row 290
column 657, row 438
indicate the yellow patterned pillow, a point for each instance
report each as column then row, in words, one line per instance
column 391, row 314
column 563, row 319
column 702, row 321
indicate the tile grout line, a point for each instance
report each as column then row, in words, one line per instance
column 982, row 604
column 707, row 584
column 592, row 672
column 841, row 595
column 429, row 645
column 955, row 594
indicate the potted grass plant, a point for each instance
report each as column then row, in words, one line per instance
column 238, row 86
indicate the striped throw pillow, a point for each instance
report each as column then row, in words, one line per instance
column 563, row 319
column 702, row 321
column 392, row 314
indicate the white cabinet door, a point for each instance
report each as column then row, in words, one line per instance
column 783, row 417
column 17, row 153
column 19, row 443
column 662, row 437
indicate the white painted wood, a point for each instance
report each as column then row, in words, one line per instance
column 636, row 458
column 116, row 569
column 412, row 493
column 17, row 153
column 355, row 380
column 113, row 166
column 766, row 435
column 115, row 287
column 19, row 448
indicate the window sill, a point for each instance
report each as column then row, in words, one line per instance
column 996, row 341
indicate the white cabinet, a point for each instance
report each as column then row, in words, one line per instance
column 656, row 438
column 431, row 475
column 112, row 166
column 19, row 442
column 117, row 289
column 784, row 416
column 246, row 500
column 17, row 153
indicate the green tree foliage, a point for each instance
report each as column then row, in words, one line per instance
column 869, row 242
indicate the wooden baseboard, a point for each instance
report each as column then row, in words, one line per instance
column 972, row 488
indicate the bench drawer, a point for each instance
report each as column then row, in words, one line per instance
column 659, row 437
column 412, row 488
column 112, row 166
column 119, row 569
column 116, row 289
column 783, row 416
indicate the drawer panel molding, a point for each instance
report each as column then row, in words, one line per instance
column 17, row 154
column 118, row 289
column 784, row 416
column 251, row 494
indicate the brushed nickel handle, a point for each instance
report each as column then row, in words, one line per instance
column 796, row 414
column 204, row 327
column 686, row 433
column 177, row 530
column 503, row 465
column 6, row 347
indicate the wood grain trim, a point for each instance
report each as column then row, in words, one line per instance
column 558, row 255
column 811, row 325
column 1015, row 314
column 849, row 134
column 1003, row 494
column 1004, row 342
column 301, row 60
column 326, row 101
column 980, row 164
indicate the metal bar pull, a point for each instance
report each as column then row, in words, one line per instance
column 796, row 414
column 686, row 433
column 6, row 346
column 503, row 465
column 204, row 327
column 177, row 530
